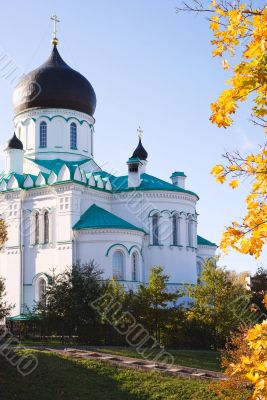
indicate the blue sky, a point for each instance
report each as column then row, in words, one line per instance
column 149, row 67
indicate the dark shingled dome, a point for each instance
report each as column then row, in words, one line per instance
column 14, row 143
column 54, row 85
column 140, row 151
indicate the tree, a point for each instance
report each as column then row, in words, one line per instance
column 5, row 308
column 258, row 287
column 68, row 307
column 240, row 34
column 245, row 359
column 218, row 305
column 154, row 302
column 240, row 278
column 115, row 308
column 3, row 232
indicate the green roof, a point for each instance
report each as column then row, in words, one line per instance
column 45, row 175
column 20, row 178
column 21, row 317
column 98, row 218
column 148, row 182
column 134, row 160
column 33, row 177
column 178, row 173
column 56, row 164
column 118, row 183
column 205, row 242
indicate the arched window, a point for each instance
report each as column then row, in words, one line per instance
column 117, row 265
column 134, row 267
column 190, row 232
column 42, row 291
column 175, row 230
column 73, row 136
column 43, row 134
column 36, row 228
column 155, row 230
column 46, row 227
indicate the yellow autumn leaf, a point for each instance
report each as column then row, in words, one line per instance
column 233, row 167
column 225, row 64
column 234, row 183
column 218, row 170
column 238, row 28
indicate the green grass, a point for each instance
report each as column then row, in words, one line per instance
column 61, row 378
column 203, row 359
column 189, row 358
column 50, row 342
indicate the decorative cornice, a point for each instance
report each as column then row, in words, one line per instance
column 110, row 230
column 50, row 113
column 35, row 192
column 64, row 247
column 156, row 194
column 171, row 214
column 12, row 195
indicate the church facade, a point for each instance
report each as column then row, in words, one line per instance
column 61, row 208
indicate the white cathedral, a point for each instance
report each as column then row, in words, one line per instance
column 61, row 208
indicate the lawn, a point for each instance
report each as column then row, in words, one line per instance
column 59, row 378
column 189, row 358
column 204, row 359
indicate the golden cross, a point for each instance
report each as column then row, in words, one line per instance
column 55, row 19
column 140, row 132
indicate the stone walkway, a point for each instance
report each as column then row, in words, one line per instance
column 136, row 363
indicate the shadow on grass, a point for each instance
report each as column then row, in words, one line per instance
column 60, row 378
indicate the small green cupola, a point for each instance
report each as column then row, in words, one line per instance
column 178, row 179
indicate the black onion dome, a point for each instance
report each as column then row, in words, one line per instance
column 14, row 143
column 54, row 85
column 140, row 151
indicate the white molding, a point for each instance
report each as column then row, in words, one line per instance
column 38, row 112
column 156, row 194
column 111, row 230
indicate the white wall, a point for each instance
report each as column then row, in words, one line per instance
column 178, row 262
column 66, row 203
column 204, row 252
column 96, row 245
column 14, row 161
column 27, row 126
column 10, row 257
